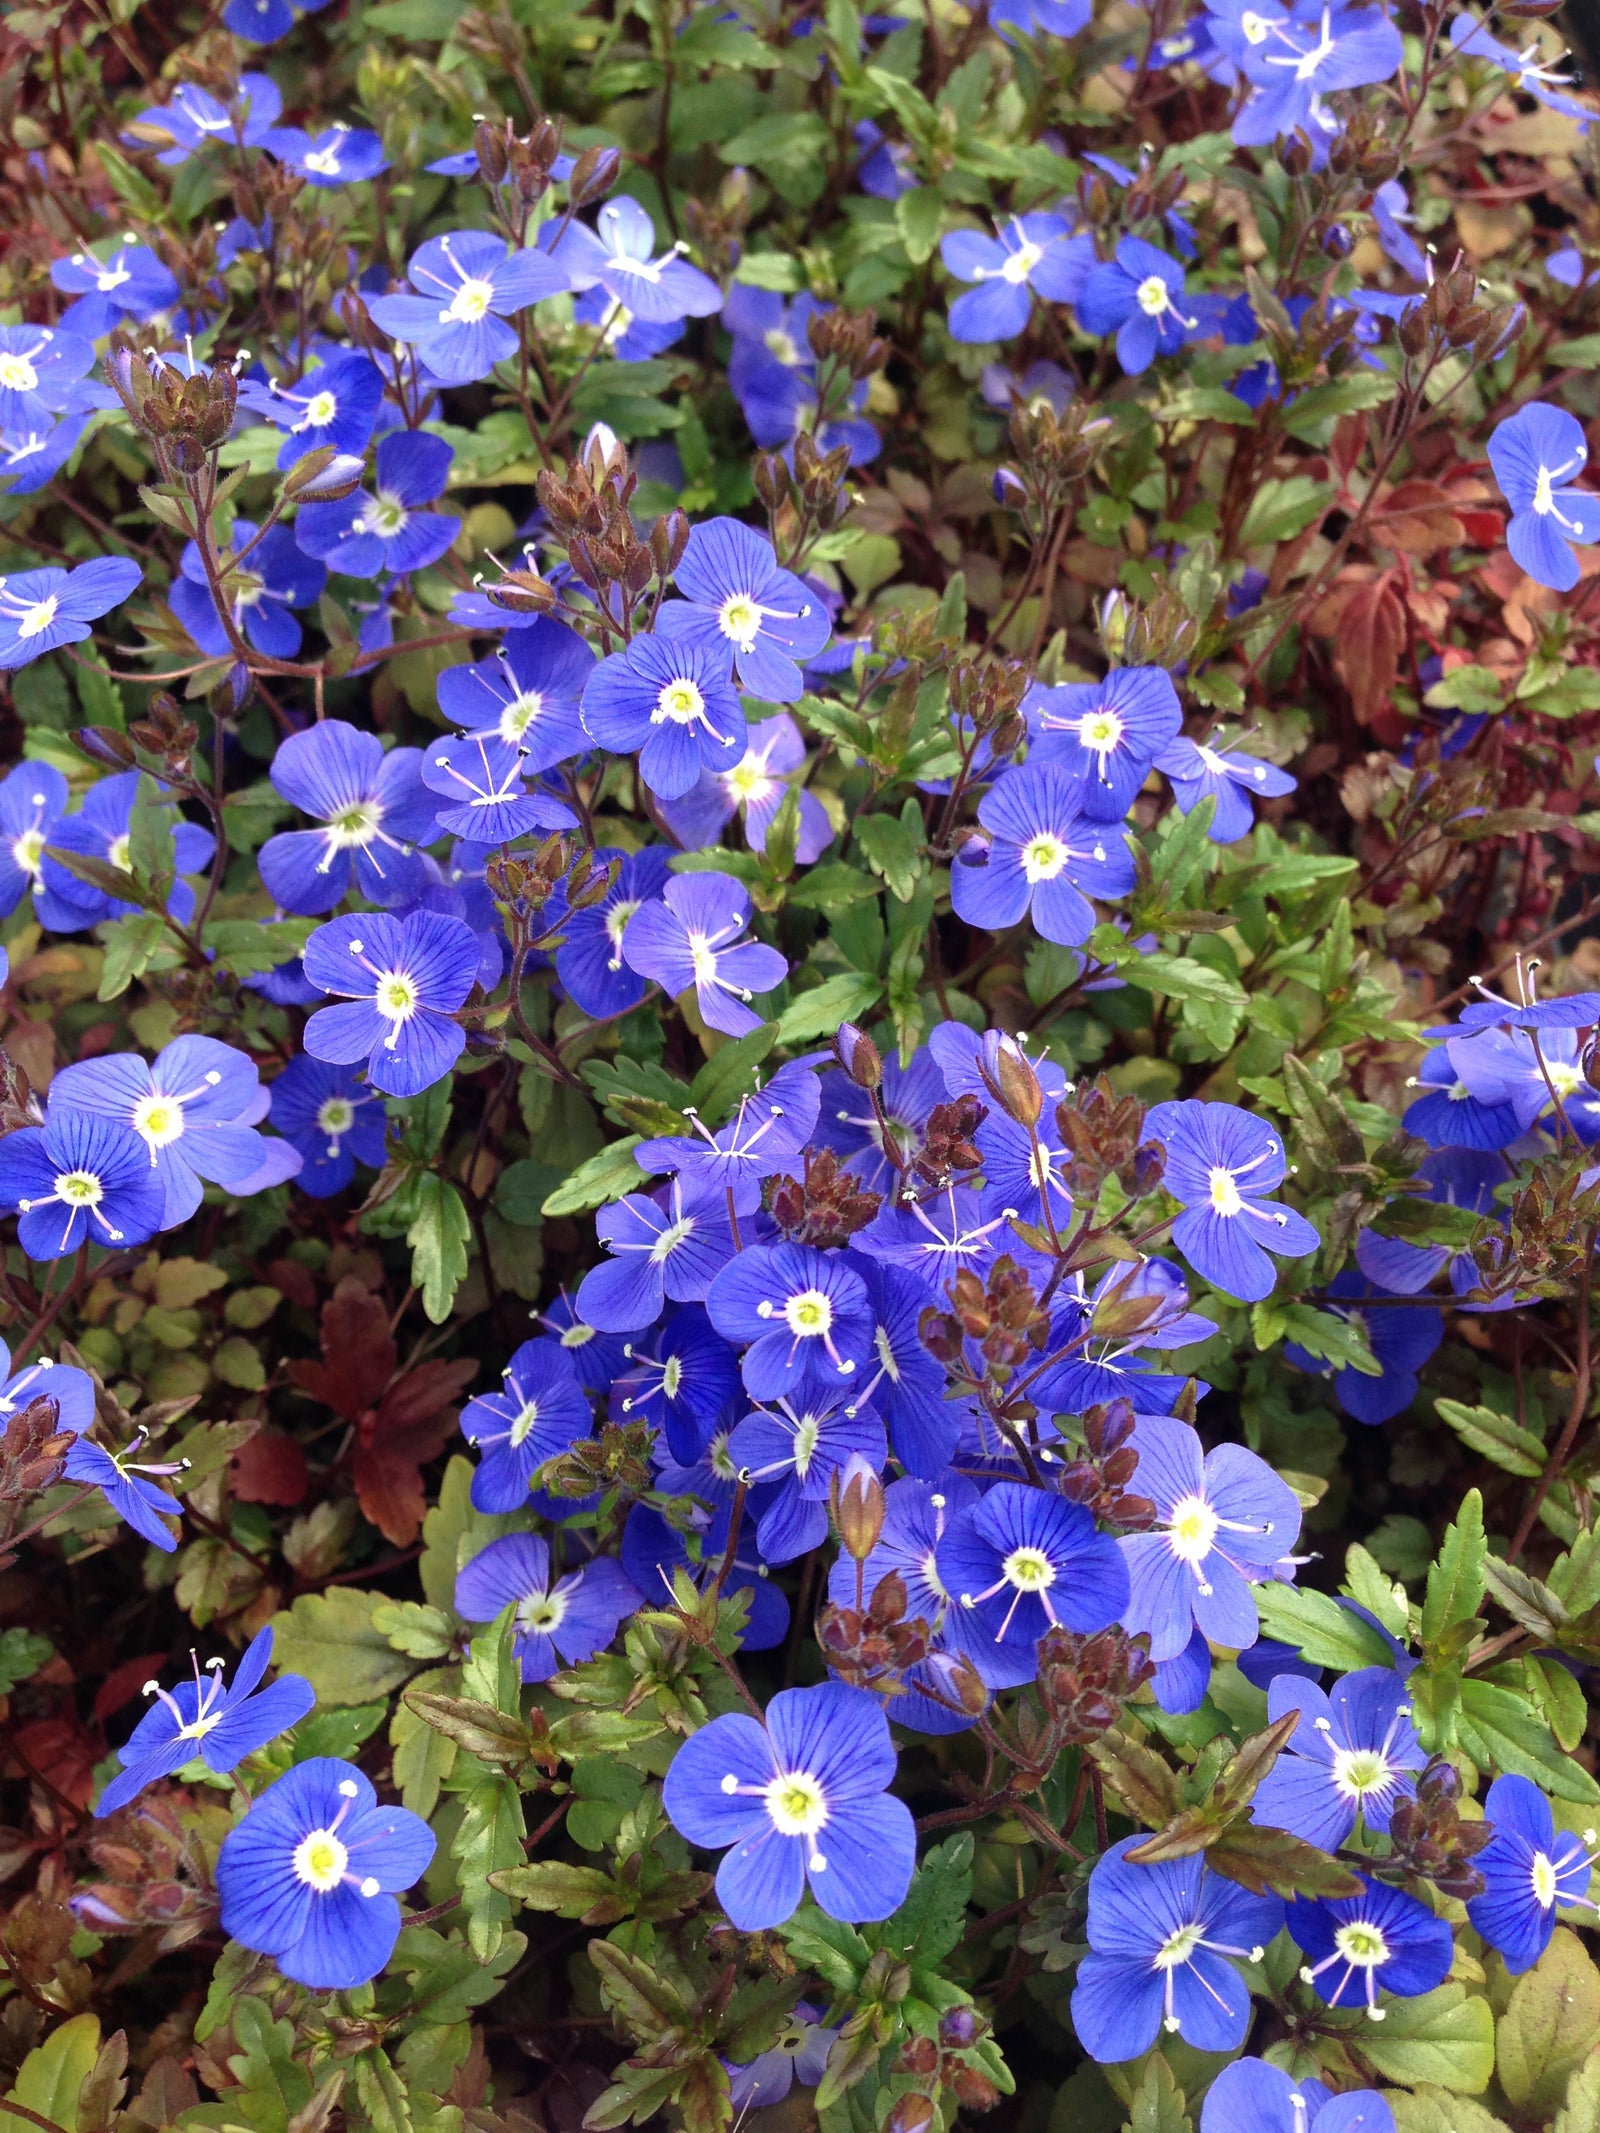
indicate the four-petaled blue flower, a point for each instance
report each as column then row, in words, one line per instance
column 374, row 812
column 1223, row 1520
column 195, row 116
column 127, row 281
column 339, row 155
column 80, row 1179
column 1105, row 734
column 589, row 961
column 737, row 600
column 260, row 580
column 40, row 609
column 1138, row 296
column 332, row 1119
column 540, row 1410
column 1535, row 453
column 336, row 403
column 557, row 1621
column 528, row 694
column 1044, row 857
column 667, row 1247
column 1380, row 1941
column 1029, row 255
column 1026, row 1562
column 310, row 1875
column 804, row 1314
column 407, row 977
column 617, row 254
column 1529, row 1867
column 201, row 1718
column 1221, row 1164
column 1227, row 777
column 363, row 536
column 802, row 1800
column 1352, row 1755
column 1254, row 2096
column 470, row 284
column 693, row 940
column 1164, row 1942
column 672, row 699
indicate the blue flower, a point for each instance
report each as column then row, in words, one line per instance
column 1294, row 63
column 1254, row 2096
column 758, row 784
column 1221, row 1163
column 1391, row 213
column 1105, row 734
column 40, row 609
column 1044, row 858
column 334, row 1120
column 129, row 281
column 1138, row 297
column 72, row 1390
column 259, row 587
column 407, row 977
column 374, row 811
column 1451, row 1116
column 794, row 1451
column 693, row 940
column 39, row 369
column 772, row 373
column 1528, row 1869
column 79, row 1179
column 849, row 1122
column 887, row 169
column 1401, row 1338
column 629, row 339
column 471, row 282
column 906, row 1384
column 487, row 799
column 672, row 700
column 1455, row 1177
column 654, row 1551
column 309, row 1876
column 1053, row 18
column 265, row 21
column 1223, row 1521
column 363, row 536
column 336, row 404
column 800, row 2053
column 768, row 1129
column 936, row 1238
column 589, row 961
column 1226, row 776
column 195, row 116
column 662, row 1250
column 617, row 255
column 740, row 601
column 127, row 1487
column 1163, row 1943
column 100, row 830
column 557, row 1621
column 1026, row 1562
column 339, row 155
column 202, row 1718
column 195, row 1109
column 539, row 1411
column 33, row 798
column 1351, row 1756
column 680, row 1385
column 802, row 1799
column 1029, row 255
column 35, row 453
column 1534, row 454
column 805, row 1315
column 1528, row 75
column 1382, row 1938
column 528, row 693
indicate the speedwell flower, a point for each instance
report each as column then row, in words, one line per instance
column 363, row 536
column 1105, row 734
column 805, row 1314
column 693, row 940
column 470, row 283
column 202, row 1718
column 374, row 812
column 1045, row 857
column 737, row 599
column 79, row 1179
column 40, row 609
column 673, row 701
column 1529, row 1867
column 527, row 694
column 661, row 1250
column 1254, row 2096
column 1026, row 1562
column 539, row 1410
column 1221, row 1162
column 334, row 1120
column 557, row 1621
column 1353, row 1754
column 407, row 978
column 1535, row 453
column 1380, row 1941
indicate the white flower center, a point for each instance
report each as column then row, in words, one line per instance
column 541, row 1612
column 320, row 411
column 470, row 302
column 1029, row 1570
column 27, row 850
column 1021, row 263
column 670, row 1238
column 336, row 1116
column 320, row 1861
column 520, row 714
column 1358, row 1771
column 681, row 702
column 1101, row 731
column 354, row 827
column 1225, row 1195
column 79, row 1188
column 38, row 617
column 158, row 1120
column 739, row 619
column 523, row 1425
column 671, row 1376
column 17, row 374
column 1043, row 857
column 1153, row 296
column 1362, row 1944
column 396, row 997
column 1177, row 1948
column 796, row 1804
column 1192, row 1529
column 1544, row 1880
column 809, row 1313
column 783, row 346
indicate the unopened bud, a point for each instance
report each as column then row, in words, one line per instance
column 493, row 157
column 104, row 744
column 1009, row 1078
column 669, row 537
column 858, row 1507
column 858, row 1055
column 1008, row 488
column 593, row 175
column 325, row 476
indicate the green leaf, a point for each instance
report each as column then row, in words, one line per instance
column 49, row 2079
column 818, row 1013
column 918, row 215
column 1496, row 1437
column 1431, row 2110
column 1281, row 509
column 1455, row 1581
column 22, row 1653
column 832, row 887
column 605, row 1177
column 930, row 1921
column 331, row 1639
column 1475, row 690
column 1581, row 2111
column 1183, row 978
column 1158, row 2102
column 1321, row 1630
column 1499, row 1731
column 439, row 1238
column 489, row 1841
column 893, row 848
column 1444, row 2039
column 1548, row 2027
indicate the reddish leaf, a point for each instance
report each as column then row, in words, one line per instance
column 1417, row 517
column 270, row 1468
column 125, row 1682
column 421, row 1393
column 1367, row 644
column 388, row 1474
column 358, row 1355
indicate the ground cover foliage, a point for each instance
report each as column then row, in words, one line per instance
column 798, row 872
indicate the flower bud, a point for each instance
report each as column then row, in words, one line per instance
column 493, row 156
column 669, row 537
column 858, row 1055
column 912, row 2114
column 324, row 476
column 858, row 1507
column 1007, row 488
column 593, row 175
column 1009, row 1078
column 104, row 744
column 960, row 2028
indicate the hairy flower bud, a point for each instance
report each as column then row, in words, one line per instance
column 858, row 1055
column 858, row 1507
column 593, row 176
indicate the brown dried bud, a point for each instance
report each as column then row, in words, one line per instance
column 494, row 157
column 669, row 537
